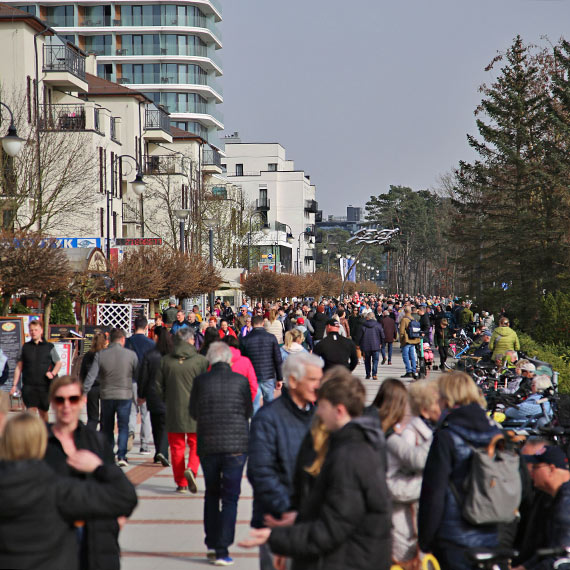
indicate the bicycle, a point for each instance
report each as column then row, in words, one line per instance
column 562, row 555
column 490, row 558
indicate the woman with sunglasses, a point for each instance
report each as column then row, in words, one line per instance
column 97, row 539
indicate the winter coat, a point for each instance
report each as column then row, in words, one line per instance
column 440, row 520
column 262, row 349
column 103, row 551
column 371, row 336
column 295, row 348
column 277, row 430
column 229, row 332
column 242, row 365
column 39, row 508
column 404, row 339
column 336, row 349
column 177, row 325
column 319, row 322
column 407, row 454
column 390, row 331
column 503, row 339
column 147, row 382
column 221, row 404
column 442, row 337
column 355, row 323
column 275, row 328
column 174, row 385
column 530, row 407
column 344, row 523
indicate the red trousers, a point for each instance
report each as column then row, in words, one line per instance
column 177, row 443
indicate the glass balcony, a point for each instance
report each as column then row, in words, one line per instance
column 63, row 58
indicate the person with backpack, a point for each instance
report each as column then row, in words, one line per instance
column 410, row 336
column 452, row 478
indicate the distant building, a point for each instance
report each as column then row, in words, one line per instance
column 352, row 222
column 284, row 198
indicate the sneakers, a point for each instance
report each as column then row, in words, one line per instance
column 182, row 490
column 407, row 375
column 416, row 376
column 227, row 561
column 384, row 362
column 159, row 458
column 192, row 485
column 122, row 462
column 389, row 363
column 130, row 441
column 367, row 378
column 211, row 556
column 144, row 451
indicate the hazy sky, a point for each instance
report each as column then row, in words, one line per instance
column 371, row 93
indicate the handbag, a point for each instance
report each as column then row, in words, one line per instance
column 414, row 563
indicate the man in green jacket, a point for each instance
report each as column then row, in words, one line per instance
column 174, row 384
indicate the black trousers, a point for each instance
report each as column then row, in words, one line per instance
column 442, row 354
column 93, row 413
column 159, row 434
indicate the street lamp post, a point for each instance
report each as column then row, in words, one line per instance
column 265, row 229
column 210, row 225
column 11, row 142
column 182, row 216
column 138, row 185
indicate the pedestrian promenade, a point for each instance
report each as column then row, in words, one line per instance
column 165, row 531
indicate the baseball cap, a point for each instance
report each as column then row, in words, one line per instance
column 552, row 455
column 529, row 367
column 300, row 321
column 333, row 323
column 544, row 371
column 487, row 332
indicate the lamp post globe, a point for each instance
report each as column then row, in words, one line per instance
column 12, row 143
column 138, row 184
column 265, row 229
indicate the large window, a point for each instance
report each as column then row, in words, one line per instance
column 165, row 73
column 60, row 16
column 140, row 44
column 162, row 15
column 179, row 102
column 99, row 45
column 97, row 16
column 28, row 9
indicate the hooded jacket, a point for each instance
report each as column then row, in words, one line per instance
column 345, row 522
column 440, row 520
column 39, row 508
column 295, row 348
column 242, row 365
column 174, row 381
column 503, row 339
column 371, row 336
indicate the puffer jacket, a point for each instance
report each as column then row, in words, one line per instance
column 262, row 349
column 221, row 404
column 440, row 520
column 277, row 431
column 242, row 365
column 275, row 328
column 174, row 381
column 503, row 339
column 345, row 522
column 319, row 322
column 371, row 336
column 407, row 454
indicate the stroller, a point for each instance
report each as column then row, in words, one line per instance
column 428, row 356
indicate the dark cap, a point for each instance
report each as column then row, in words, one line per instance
column 333, row 323
column 552, row 455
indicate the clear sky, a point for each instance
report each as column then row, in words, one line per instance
column 370, row 93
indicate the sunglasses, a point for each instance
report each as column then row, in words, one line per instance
column 60, row 400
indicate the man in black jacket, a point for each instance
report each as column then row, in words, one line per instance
column 98, row 539
column 262, row 349
column 220, row 402
column 336, row 349
column 319, row 322
column 345, row 521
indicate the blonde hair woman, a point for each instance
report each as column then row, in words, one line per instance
column 464, row 425
column 38, row 503
column 274, row 326
column 293, row 344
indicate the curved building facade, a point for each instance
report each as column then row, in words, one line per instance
column 169, row 50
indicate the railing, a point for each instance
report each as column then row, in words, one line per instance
column 62, row 117
column 113, row 129
column 311, row 206
column 60, row 22
column 97, row 23
column 99, row 50
column 97, row 125
column 263, row 205
column 157, row 119
column 63, row 58
column 309, row 231
column 212, row 157
column 158, row 165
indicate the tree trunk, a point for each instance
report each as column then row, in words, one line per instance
column 47, row 314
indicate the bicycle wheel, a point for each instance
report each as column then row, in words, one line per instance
column 450, row 364
column 429, row 562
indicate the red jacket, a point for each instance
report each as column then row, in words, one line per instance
column 242, row 365
column 231, row 332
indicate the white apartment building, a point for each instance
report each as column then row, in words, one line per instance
column 168, row 51
column 285, row 199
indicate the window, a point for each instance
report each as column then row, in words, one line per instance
column 272, row 167
column 98, row 15
column 239, row 169
column 28, row 9
column 114, row 224
column 263, row 196
column 101, row 222
column 60, row 16
column 99, row 45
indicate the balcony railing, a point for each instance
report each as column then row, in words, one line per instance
column 113, row 129
column 212, row 157
column 163, row 164
column 63, row 58
column 309, row 231
column 311, row 206
column 157, row 119
column 263, row 205
column 98, row 124
column 62, row 117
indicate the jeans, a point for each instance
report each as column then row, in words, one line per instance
column 371, row 357
column 146, row 428
column 177, row 442
column 257, row 400
column 383, row 349
column 267, row 388
column 108, row 410
column 93, row 413
column 409, row 357
column 222, row 475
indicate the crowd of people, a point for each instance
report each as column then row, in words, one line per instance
column 269, row 388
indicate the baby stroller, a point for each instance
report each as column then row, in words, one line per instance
column 428, row 356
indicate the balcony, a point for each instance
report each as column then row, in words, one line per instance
column 211, row 161
column 64, row 67
column 309, row 231
column 319, row 217
column 311, row 206
column 163, row 164
column 262, row 205
column 157, row 125
column 62, row 118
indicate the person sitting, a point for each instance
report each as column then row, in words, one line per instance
column 482, row 350
column 530, row 407
column 521, row 383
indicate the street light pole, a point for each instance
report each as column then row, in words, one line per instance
column 211, row 240
column 182, row 216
